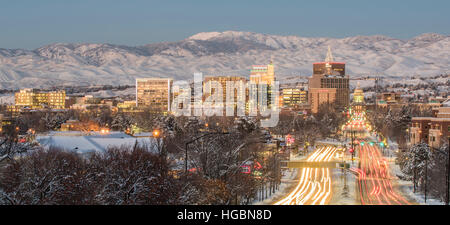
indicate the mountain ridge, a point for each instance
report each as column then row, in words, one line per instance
column 228, row 52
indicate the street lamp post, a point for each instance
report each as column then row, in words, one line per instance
column 185, row 157
column 426, row 177
column 353, row 146
column 157, row 134
column 414, row 173
column 275, row 165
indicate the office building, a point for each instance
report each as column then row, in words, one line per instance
column 293, row 97
column 224, row 81
column 431, row 130
column 263, row 74
column 154, row 94
column 329, row 84
column 32, row 99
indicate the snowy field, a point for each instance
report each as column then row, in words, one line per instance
column 91, row 142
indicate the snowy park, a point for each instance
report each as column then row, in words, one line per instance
column 86, row 142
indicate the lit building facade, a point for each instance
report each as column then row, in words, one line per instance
column 223, row 81
column 154, row 93
column 263, row 74
column 293, row 97
column 33, row 99
column 329, row 75
column 321, row 96
column 431, row 130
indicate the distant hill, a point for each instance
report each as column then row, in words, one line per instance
column 224, row 53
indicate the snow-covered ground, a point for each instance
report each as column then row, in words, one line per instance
column 344, row 188
column 288, row 181
column 89, row 142
column 407, row 189
column 229, row 52
column 7, row 99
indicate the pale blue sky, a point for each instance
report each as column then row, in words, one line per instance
column 33, row 23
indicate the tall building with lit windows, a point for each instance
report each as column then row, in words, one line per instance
column 223, row 81
column 29, row 98
column 329, row 84
column 264, row 74
column 293, row 97
column 154, row 93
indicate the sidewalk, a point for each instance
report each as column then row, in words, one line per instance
column 288, row 183
column 406, row 187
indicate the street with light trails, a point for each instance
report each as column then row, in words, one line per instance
column 314, row 186
column 374, row 179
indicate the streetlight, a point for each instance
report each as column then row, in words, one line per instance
column 156, row 133
column 426, row 177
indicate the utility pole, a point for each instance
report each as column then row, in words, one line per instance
column 414, row 176
column 275, row 167
column 353, row 147
column 186, row 158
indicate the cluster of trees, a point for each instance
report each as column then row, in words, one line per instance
column 137, row 174
column 419, row 163
column 11, row 145
column 42, row 121
column 394, row 123
column 218, row 148
column 119, row 176
column 308, row 129
column 427, row 168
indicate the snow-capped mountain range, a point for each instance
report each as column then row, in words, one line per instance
column 220, row 53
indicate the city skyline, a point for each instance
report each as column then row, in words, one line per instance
column 152, row 22
column 206, row 107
